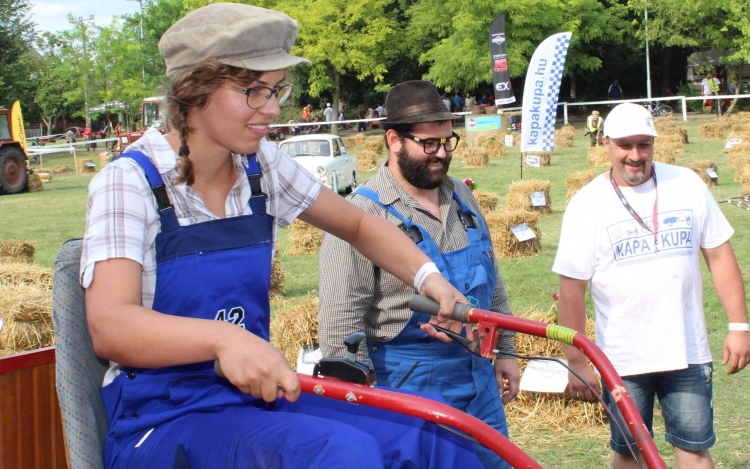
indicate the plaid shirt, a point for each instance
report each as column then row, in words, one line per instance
column 357, row 296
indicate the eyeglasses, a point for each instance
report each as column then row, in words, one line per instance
column 432, row 145
column 258, row 96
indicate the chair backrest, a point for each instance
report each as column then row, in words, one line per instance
column 79, row 372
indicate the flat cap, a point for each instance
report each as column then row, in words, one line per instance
column 243, row 36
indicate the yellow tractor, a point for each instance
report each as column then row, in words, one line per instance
column 13, row 170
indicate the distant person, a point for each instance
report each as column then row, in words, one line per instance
column 710, row 87
column 483, row 100
column 70, row 137
column 380, row 109
column 594, row 125
column 315, row 128
column 614, row 92
column 328, row 113
column 458, row 103
column 306, row 112
column 361, row 114
column 446, row 101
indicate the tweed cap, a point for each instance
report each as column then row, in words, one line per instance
column 415, row 101
column 239, row 35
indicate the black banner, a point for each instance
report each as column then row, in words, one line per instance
column 500, row 76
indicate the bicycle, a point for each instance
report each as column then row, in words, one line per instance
column 658, row 109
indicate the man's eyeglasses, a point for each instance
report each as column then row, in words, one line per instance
column 258, row 96
column 432, row 145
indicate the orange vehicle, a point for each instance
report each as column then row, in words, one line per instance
column 153, row 114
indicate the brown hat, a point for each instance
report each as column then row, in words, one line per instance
column 239, row 35
column 415, row 101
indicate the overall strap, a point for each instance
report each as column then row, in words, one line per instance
column 257, row 196
column 476, row 231
column 167, row 216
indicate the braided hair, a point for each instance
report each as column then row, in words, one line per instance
column 190, row 92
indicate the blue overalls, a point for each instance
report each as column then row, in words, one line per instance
column 186, row 416
column 415, row 361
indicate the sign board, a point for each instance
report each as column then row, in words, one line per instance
column 544, row 376
column 538, row 199
column 482, row 123
column 523, row 232
column 712, row 173
column 732, row 142
column 509, row 140
column 533, row 161
column 307, row 359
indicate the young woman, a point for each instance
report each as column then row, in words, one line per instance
column 176, row 266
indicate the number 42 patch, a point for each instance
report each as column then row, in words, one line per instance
column 235, row 315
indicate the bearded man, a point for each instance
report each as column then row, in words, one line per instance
column 440, row 215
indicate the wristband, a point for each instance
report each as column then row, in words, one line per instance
column 424, row 271
column 739, row 326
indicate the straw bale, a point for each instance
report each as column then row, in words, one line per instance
column 577, row 180
column 491, row 110
column 739, row 118
column 543, row 410
column 14, row 251
column 86, row 168
column 504, row 243
column 711, row 131
column 350, row 143
column 700, row 169
column 598, row 158
column 745, row 189
column 495, row 145
column 461, row 132
column 545, row 157
column 21, row 273
column 359, row 139
column 742, row 173
column 516, row 139
column 487, row 200
column 375, row 144
column 740, row 150
column 104, row 158
column 672, row 141
column 564, row 137
column 724, row 122
column 277, row 276
column 519, row 195
column 366, row 160
column 741, row 132
column 304, row 238
column 34, row 183
column 476, row 158
column 295, row 326
column 664, row 154
column 61, row 168
column 663, row 123
column 27, row 315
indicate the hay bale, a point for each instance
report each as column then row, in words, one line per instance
column 565, row 137
column 277, row 276
column 13, row 251
column 738, row 151
column 104, row 158
column 61, row 168
column 745, row 189
column 663, row 123
column 375, row 144
column 461, row 132
column 495, row 145
column 304, row 238
column 742, row 132
column 366, row 160
column 350, row 143
column 34, row 183
column 359, row 139
column 27, row 314
column 493, row 110
column 711, row 131
column 700, row 168
column 598, row 158
column 476, row 158
column 21, row 273
column 545, row 157
column 295, row 326
column 516, row 139
column 742, row 173
column 504, row 242
column 86, row 166
column 577, row 180
column 487, row 201
column 740, row 118
column 519, row 195
column 664, row 154
column 544, row 410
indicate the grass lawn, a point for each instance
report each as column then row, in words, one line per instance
column 50, row 217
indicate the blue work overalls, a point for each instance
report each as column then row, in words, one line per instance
column 187, row 416
column 415, row 361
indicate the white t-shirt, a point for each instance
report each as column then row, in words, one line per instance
column 648, row 302
column 329, row 114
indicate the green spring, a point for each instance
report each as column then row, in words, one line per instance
column 561, row 334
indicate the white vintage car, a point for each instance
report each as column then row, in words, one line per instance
column 325, row 157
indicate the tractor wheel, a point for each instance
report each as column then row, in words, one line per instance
column 13, row 173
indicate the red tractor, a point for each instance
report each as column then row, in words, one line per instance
column 13, row 170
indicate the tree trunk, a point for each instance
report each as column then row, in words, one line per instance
column 573, row 91
column 666, row 61
column 47, row 122
column 336, row 99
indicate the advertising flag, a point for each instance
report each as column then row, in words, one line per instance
column 499, row 57
column 540, row 93
column 19, row 135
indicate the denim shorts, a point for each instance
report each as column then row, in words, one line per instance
column 686, row 398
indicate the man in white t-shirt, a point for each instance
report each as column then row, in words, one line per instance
column 647, row 287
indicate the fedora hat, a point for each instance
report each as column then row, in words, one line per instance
column 412, row 102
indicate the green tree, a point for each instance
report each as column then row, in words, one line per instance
column 17, row 58
column 52, row 83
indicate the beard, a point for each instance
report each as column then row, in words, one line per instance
column 417, row 172
column 636, row 178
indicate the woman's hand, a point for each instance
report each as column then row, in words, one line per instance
column 439, row 289
column 256, row 367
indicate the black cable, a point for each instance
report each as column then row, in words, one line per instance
column 598, row 397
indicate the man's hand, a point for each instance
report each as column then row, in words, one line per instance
column 736, row 351
column 508, row 378
column 578, row 390
column 439, row 289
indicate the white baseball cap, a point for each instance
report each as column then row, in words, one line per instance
column 628, row 119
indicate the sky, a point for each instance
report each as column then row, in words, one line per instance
column 52, row 15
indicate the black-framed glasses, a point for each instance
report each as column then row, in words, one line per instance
column 258, row 96
column 432, row 145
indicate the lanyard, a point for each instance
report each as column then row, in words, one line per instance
column 633, row 213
